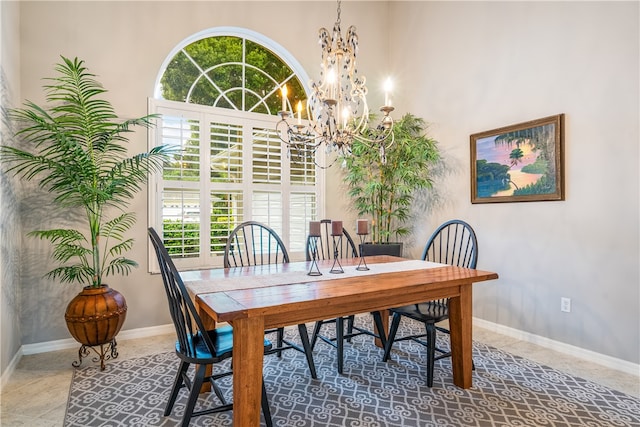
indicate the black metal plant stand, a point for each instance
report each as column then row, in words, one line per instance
column 107, row 351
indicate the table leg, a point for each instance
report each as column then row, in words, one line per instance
column 460, row 326
column 385, row 323
column 248, row 353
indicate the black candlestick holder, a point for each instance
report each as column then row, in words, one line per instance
column 337, row 267
column 362, row 265
column 314, row 270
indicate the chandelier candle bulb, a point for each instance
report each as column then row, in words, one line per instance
column 362, row 226
column 387, row 90
column 345, row 117
column 284, row 97
column 336, row 228
column 331, row 80
column 299, row 108
column 314, row 228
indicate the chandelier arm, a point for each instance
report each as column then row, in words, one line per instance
column 337, row 109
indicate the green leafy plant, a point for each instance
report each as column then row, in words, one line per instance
column 385, row 190
column 75, row 149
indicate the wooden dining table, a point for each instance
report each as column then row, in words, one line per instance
column 255, row 298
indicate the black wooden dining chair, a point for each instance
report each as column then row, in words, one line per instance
column 346, row 248
column 453, row 243
column 254, row 243
column 195, row 345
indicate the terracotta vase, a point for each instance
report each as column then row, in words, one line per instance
column 94, row 317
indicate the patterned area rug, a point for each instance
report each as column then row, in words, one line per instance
column 507, row 391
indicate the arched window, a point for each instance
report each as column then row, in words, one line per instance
column 217, row 98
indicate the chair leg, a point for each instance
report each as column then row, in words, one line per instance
column 340, row 343
column 431, row 352
column 350, row 321
column 279, row 341
column 304, row 337
column 316, row 332
column 193, row 394
column 177, row 385
column 266, row 411
column 377, row 319
column 392, row 336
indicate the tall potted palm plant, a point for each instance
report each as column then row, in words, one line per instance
column 75, row 150
column 384, row 187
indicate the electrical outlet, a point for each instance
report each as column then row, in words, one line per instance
column 565, row 304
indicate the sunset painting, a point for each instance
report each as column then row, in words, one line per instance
column 518, row 163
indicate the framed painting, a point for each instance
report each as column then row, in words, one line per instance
column 519, row 163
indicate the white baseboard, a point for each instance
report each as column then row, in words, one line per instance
column 12, row 367
column 68, row 343
column 588, row 355
column 591, row 356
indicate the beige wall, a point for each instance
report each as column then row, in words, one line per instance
column 476, row 66
column 464, row 67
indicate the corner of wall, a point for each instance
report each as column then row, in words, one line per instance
column 10, row 227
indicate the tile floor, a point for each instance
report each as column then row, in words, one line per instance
column 36, row 393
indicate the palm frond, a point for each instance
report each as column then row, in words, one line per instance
column 63, row 252
column 60, row 235
column 72, row 274
column 76, row 150
column 120, row 266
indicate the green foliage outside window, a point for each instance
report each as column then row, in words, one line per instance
column 227, row 81
column 183, row 239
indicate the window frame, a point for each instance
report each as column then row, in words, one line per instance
column 156, row 180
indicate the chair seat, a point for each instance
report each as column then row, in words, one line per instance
column 430, row 312
column 222, row 338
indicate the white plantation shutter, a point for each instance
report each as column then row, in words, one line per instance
column 267, row 209
column 232, row 167
column 226, row 152
column 180, row 194
column 227, row 211
column 302, row 209
column 266, row 157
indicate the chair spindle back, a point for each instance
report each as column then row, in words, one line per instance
column 453, row 243
column 254, row 243
column 185, row 318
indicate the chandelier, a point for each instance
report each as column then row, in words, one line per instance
column 337, row 109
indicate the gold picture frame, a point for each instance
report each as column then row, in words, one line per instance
column 519, row 163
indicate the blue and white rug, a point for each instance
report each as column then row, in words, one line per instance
column 507, row 391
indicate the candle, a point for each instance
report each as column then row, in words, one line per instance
column 299, row 108
column 336, row 228
column 345, row 117
column 387, row 89
column 314, row 228
column 362, row 225
column 331, row 80
column 283, row 91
